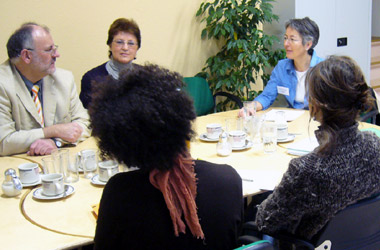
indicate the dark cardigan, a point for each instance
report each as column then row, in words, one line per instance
column 97, row 74
column 315, row 188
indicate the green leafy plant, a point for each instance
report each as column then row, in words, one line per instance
column 246, row 52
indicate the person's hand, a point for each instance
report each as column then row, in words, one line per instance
column 241, row 113
column 258, row 107
column 68, row 132
column 42, row 147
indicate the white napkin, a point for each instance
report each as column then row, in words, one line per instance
column 261, row 179
column 290, row 115
column 303, row 147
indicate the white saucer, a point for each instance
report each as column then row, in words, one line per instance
column 95, row 180
column 31, row 184
column 39, row 195
column 203, row 137
column 288, row 139
column 248, row 144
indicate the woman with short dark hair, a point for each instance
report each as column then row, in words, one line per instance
column 172, row 201
column 342, row 170
column 124, row 40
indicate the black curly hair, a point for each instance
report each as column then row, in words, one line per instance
column 143, row 119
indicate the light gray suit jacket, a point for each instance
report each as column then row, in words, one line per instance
column 19, row 120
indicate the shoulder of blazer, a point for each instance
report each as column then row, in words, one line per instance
column 61, row 76
column 59, row 72
column 10, row 79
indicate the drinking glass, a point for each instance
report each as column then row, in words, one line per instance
column 63, row 163
column 89, row 162
column 255, row 128
column 234, row 124
column 49, row 165
column 61, row 159
column 72, row 169
column 249, row 108
column 269, row 137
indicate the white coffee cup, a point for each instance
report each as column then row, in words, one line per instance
column 107, row 169
column 29, row 173
column 237, row 138
column 282, row 126
column 282, row 131
column 213, row 130
column 52, row 184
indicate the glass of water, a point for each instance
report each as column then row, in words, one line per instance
column 269, row 137
column 89, row 162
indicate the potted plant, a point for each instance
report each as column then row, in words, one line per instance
column 246, row 51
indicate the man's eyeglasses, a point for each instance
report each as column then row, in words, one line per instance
column 52, row 50
column 121, row 43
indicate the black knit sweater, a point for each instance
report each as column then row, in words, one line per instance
column 315, row 188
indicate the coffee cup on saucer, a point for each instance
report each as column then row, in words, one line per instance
column 237, row 138
column 213, row 130
column 282, row 125
column 29, row 173
column 107, row 169
column 52, row 184
column 282, row 131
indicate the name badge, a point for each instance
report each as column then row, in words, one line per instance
column 283, row 90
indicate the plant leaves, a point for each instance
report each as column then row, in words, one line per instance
column 245, row 49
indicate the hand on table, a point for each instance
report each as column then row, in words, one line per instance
column 42, row 147
column 258, row 107
column 68, row 132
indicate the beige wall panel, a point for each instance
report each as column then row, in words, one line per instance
column 169, row 29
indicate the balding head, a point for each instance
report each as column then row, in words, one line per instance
column 22, row 38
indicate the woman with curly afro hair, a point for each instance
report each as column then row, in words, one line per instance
column 172, row 201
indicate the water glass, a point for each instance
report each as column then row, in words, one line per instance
column 255, row 126
column 61, row 158
column 72, row 170
column 234, row 124
column 269, row 137
column 63, row 163
column 49, row 165
column 249, row 108
column 89, row 162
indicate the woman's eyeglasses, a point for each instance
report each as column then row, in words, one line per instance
column 121, row 43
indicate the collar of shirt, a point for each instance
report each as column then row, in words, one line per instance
column 29, row 85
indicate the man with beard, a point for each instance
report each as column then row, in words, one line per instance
column 39, row 105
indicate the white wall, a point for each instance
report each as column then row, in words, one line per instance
column 341, row 18
column 376, row 18
column 335, row 18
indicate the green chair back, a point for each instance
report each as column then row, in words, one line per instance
column 199, row 91
column 258, row 245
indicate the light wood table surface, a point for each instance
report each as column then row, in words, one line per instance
column 28, row 223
